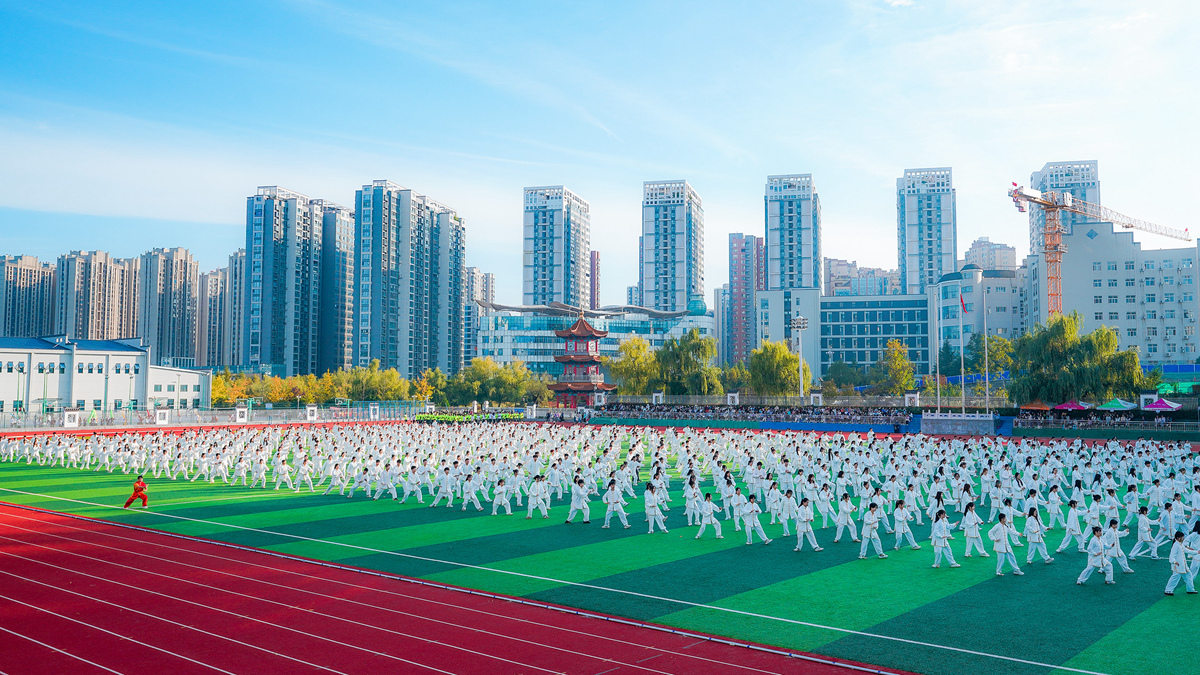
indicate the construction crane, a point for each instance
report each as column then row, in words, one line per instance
column 1053, row 203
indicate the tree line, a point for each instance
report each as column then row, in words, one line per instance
column 483, row 380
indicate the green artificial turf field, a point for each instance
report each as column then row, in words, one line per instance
column 896, row 612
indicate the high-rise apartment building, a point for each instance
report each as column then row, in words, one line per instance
column 167, row 303
column 672, row 246
column 1081, row 179
column 926, row 227
column 633, row 295
column 27, row 296
column 990, row 255
column 558, row 244
column 336, row 324
column 408, row 310
column 233, row 337
column 478, row 286
column 96, row 296
column 283, row 253
column 594, row 281
column 746, row 266
column 793, row 227
column 721, row 323
column 212, row 318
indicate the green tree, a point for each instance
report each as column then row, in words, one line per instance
column 805, row 377
column 774, row 370
column 1053, row 363
column 999, row 354
column 949, row 364
column 735, row 377
column 842, row 375
column 897, row 370
column 684, row 365
column 634, row 367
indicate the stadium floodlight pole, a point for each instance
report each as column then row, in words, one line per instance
column 987, row 382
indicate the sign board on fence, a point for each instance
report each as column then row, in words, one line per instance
column 1147, row 399
column 71, row 418
column 430, row 408
column 241, row 414
column 373, row 411
column 912, row 400
column 531, row 412
column 657, row 398
column 162, row 417
column 732, row 399
column 816, row 399
column 310, row 413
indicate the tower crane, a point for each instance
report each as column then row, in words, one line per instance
column 1053, row 204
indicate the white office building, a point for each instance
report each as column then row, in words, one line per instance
column 926, row 227
column 557, row 245
column 101, row 376
column 672, row 246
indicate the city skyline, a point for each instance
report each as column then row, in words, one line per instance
column 145, row 154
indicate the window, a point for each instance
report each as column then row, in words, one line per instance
column 1112, row 265
column 126, row 368
column 79, row 404
column 1168, row 264
column 1151, row 348
column 1128, row 264
column 1130, row 283
column 170, row 387
column 137, row 368
column 1149, row 265
column 1131, row 316
column 1131, row 298
column 195, row 387
column 81, row 369
column 1168, row 314
column 182, row 403
column 1114, row 316
column 1096, row 283
column 1151, row 331
column 1112, row 283
column 97, row 404
column 158, row 387
column 20, row 366
column 1112, row 299
column 133, row 404
column 1151, row 314
column 116, row 404
column 1131, row 332
column 196, row 403
column 62, row 369
column 1099, row 316
column 1150, row 297
column 91, row 368
column 100, row 368
column 1186, row 280
column 1168, row 297
column 1096, row 267
column 1097, row 299
column 1168, row 281
column 42, row 367
column 1149, row 281
column 1185, row 263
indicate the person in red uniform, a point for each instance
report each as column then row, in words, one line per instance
column 139, row 492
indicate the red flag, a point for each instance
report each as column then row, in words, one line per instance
column 962, row 302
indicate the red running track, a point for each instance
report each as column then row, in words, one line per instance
column 87, row 596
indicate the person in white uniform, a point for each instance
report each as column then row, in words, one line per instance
column 804, row 525
column 1096, row 559
column 708, row 516
column 579, row 502
column 653, row 512
column 1179, row 567
column 941, row 539
column 614, row 500
column 902, row 515
column 750, row 520
column 999, row 534
column 870, row 532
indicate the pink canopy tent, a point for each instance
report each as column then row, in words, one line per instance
column 1163, row 404
column 1072, row 405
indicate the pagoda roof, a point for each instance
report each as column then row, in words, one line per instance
column 581, row 386
column 581, row 328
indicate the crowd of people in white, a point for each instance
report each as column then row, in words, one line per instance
column 1098, row 493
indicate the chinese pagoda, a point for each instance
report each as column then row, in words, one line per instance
column 581, row 384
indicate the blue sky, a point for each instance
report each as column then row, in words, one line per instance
column 127, row 125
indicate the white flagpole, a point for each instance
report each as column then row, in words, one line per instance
column 987, row 382
column 962, row 351
column 937, row 361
